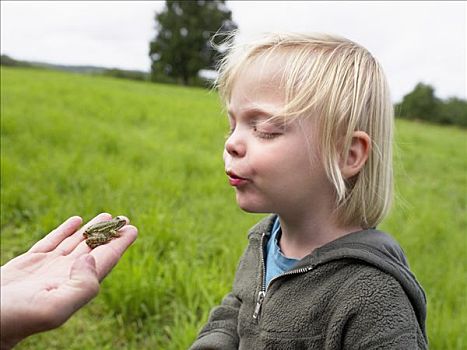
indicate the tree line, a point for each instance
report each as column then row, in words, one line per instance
column 422, row 104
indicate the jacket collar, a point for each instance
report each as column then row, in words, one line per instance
column 372, row 247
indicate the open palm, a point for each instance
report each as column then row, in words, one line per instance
column 42, row 288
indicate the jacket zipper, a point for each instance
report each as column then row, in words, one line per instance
column 262, row 292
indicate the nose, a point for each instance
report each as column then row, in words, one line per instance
column 234, row 146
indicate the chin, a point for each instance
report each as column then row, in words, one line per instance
column 252, row 206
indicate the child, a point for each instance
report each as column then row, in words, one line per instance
column 311, row 130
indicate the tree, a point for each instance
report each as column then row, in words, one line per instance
column 182, row 46
column 454, row 111
column 421, row 103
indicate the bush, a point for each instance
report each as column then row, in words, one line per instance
column 422, row 104
column 453, row 111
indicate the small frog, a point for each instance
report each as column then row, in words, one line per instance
column 103, row 232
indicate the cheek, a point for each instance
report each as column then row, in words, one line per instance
column 293, row 167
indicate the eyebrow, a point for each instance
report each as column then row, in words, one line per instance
column 250, row 111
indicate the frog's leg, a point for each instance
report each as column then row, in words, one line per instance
column 101, row 237
column 114, row 233
column 95, row 241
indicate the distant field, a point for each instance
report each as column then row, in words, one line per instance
column 80, row 145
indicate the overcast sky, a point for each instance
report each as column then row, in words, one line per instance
column 414, row 41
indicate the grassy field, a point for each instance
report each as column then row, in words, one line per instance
column 80, row 145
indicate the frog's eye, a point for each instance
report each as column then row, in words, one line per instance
column 120, row 220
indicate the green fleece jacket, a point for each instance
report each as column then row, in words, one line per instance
column 353, row 293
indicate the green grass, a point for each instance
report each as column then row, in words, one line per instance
column 80, row 145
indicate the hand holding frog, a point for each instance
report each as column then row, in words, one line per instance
column 42, row 288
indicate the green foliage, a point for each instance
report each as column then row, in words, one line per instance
column 422, row 104
column 453, row 111
column 76, row 144
column 126, row 74
column 8, row 61
column 182, row 45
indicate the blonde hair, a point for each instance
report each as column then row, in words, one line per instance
column 342, row 86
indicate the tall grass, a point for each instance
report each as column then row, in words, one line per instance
column 80, row 145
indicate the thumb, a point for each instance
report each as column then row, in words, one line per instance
column 84, row 280
column 81, row 286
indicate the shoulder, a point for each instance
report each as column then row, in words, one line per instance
column 367, row 283
column 376, row 299
column 374, row 309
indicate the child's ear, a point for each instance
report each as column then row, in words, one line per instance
column 357, row 155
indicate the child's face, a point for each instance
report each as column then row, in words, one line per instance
column 274, row 168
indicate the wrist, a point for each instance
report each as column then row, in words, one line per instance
column 7, row 337
column 10, row 326
column 7, row 344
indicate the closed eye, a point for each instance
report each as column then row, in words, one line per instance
column 266, row 130
column 266, row 135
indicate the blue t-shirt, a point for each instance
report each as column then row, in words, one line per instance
column 276, row 262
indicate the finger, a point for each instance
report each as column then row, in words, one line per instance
column 70, row 243
column 54, row 238
column 107, row 255
column 83, row 248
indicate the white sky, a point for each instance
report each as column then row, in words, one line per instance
column 414, row 41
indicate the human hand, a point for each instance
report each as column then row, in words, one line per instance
column 43, row 287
